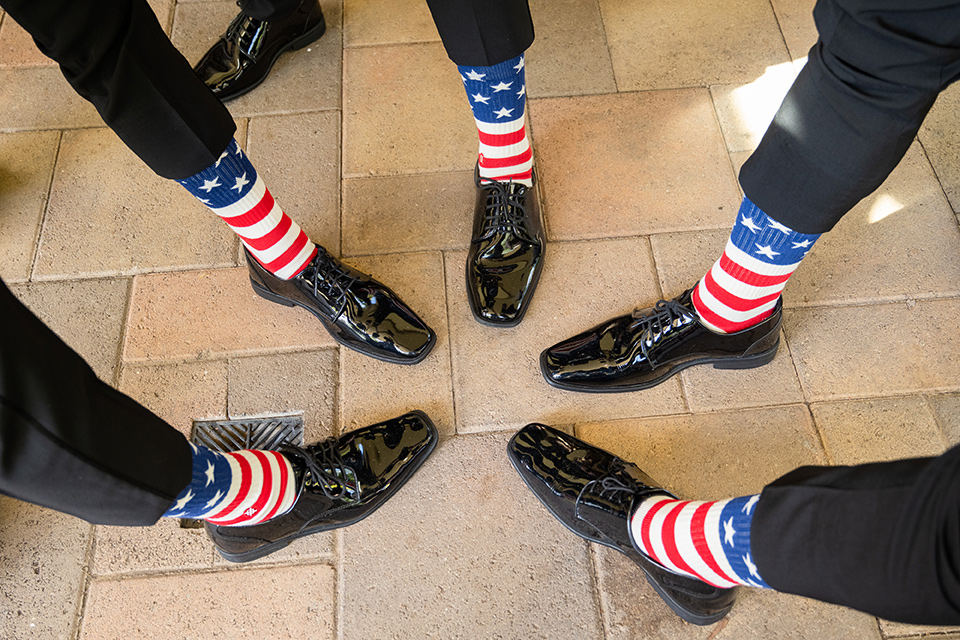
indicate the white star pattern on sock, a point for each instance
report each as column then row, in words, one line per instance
column 182, row 502
column 210, row 185
column 214, row 500
column 728, row 532
column 749, row 224
column 767, row 251
column 241, row 182
column 752, row 567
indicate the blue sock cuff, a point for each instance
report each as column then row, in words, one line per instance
column 211, row 480
column 497, row 93
column 224, row 182
column 735, row 522
column 760, row 236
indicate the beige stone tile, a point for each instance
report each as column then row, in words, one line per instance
column 289, row 602
column 304, row 80
column 496, row 372
column 40, row 98
column 373, row 22
column 163, row 547
column 218, row 314
column 179, row 393
column 17, row 48
column 467, row 540
column 941, row 140
column 42, row 561
column 709, row 389
column 634, row 611
column 947, row 409
column 87, row 314
column 408, row 213
column 898, row 630
column 371, row 390
column 569, row 55
column 299, row 158
column 861, row 431
column 661, row 44
column 714, row 455
column 745, row 110
column 902, row 242
column 124, row 218
column 389, row 127
column 302, row 383
column 26, row 169
column 796, row 25
column 198, row 25
column 878, row 350
column 630, row 164
column 164, row 12
column 683, row 258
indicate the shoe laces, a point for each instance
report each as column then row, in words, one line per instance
column 326, row 470
column 504, row 209
column 246, row 31
column 665, row 316
column 328, row 276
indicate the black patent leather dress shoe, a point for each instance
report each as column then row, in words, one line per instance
column 593, row 493
column 359, row 312
column 506, row 252
column 341, row 481
column 244, row 55
column 641, row 350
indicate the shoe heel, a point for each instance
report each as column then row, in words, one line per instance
column 266, row 294
column 749, row 362
column 309, row 37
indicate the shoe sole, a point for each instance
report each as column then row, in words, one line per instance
column 592, row 535
column 273, row 547
column 266, row 294
column 742, row 362
column 310, row 36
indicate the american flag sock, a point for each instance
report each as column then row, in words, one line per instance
column 498, row 97
column 236, row 488
column 234, row 191
column 742, row 287
column 705, row 540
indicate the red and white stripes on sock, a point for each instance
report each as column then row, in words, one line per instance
column 234, row 191
column 497, row 96
column 742, row 287
column 709, row 541
column 263, row 486
column 237, row 488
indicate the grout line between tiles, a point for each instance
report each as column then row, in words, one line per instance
column 84, row 587
column 446, row 305
column 46, row 207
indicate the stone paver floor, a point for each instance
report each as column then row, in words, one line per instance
column 640, row 114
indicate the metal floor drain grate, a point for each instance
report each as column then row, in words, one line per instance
column 251, row 433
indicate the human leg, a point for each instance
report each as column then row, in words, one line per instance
column 843, row 126
column 487, row 40
column 115, row 54
column 881, row 538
